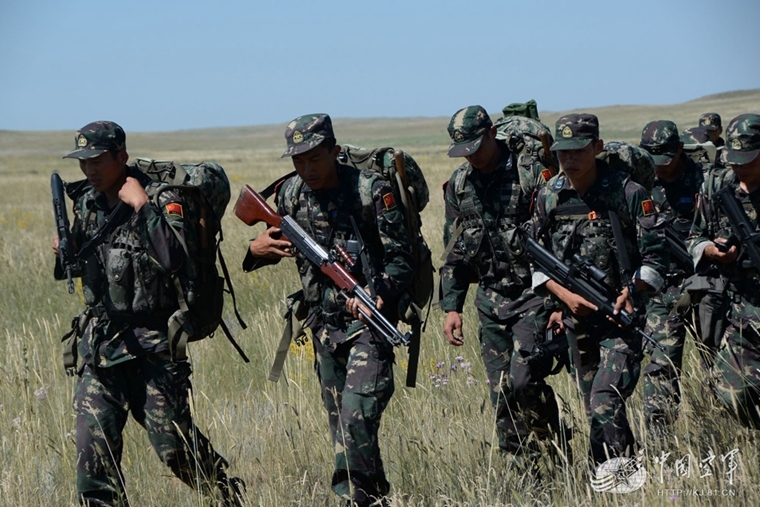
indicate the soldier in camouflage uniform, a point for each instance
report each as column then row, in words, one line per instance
column 737, row 365
column 353, row 363
column 711, row 122
column 487, row 206
column 675, row 190
column 124, row 359
column 572, row 215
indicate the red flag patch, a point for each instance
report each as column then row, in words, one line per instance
column 547, row 174
column 174, row 209
column 647, row 207
column 389, row 201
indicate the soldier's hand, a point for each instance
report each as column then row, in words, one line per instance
column 133, row 194
column 578, row 305
column 56, row 242
column 623, row 301
column 269, row 245
column 714, row 254
column 556, row 323
column 452, row 329
column 353, row 305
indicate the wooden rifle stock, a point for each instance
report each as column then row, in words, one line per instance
column 251, row 208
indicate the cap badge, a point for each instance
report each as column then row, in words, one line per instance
column 297, row 137
column 706, row 121
column 567, row 132
column 736, row 144
column 458, row 136
column 81, row 141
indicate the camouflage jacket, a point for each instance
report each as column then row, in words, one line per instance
column 127, row 282
column 711, row 223
column 581, row 225
column 484, row 217
column 325, row 216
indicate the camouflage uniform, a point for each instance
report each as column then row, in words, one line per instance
column 124, row 359
column 353, row 363
column 737, row 365
column 712, row 122
column 675, row 200
column 485, row 214
column 606, row 358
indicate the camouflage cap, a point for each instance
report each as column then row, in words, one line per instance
column 307, row 132
column 695, row 135
column 710, row 121
column 575, row 131
column 466, row 129
column 660, row 138
column 96, row 138
column 743, row 139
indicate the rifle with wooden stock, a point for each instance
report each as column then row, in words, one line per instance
column 251, row 208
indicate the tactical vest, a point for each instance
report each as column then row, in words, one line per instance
column 122, row 276
column 495, row 241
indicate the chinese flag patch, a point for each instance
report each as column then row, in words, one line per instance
column 174, row 209
column 647, row 207
column 547, row 174
column 389, row 201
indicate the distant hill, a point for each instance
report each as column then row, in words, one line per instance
column 618, row 122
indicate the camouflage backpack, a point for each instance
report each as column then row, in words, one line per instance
column 205, row 191
column 414, row 196
column 522, row 135
column 631, row 159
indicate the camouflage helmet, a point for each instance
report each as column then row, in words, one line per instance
column 96, row 138
column 307, row 132
column 466, row 129
column 660, row 138
column 743, row 139
column 710, row 121
column 575, row 131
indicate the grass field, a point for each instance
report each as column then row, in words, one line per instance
column 438, row 441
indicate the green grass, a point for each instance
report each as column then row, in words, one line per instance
column 438, row 443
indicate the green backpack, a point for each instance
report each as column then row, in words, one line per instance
column 631, row 159
column 205, row 191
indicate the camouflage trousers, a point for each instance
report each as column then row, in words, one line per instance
column 356, row 377
column 526, row 409
column 661, row 377
column 606, row 365
column 155, row 390
column 737, row 365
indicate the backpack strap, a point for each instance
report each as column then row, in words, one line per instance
column 272, row 187
column 293, row 331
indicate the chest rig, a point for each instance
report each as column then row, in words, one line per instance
column 584, row 226
column 491, row 213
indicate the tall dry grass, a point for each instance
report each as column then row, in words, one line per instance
column 438, row 440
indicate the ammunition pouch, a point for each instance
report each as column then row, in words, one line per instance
column 71, row 339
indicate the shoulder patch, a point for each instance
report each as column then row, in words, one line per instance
column 547, row 174
column 389, row 201
column 174, row 209
column 559, row 183
column 647, row 207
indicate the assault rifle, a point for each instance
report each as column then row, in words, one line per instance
column 66, row 255
column 677, row 248
column 587, row 280
column 251, row 208
column 741, row 226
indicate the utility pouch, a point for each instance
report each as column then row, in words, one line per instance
column 71, row 341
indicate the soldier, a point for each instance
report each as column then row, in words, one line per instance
column 353, row 363
column 737, row 365
column 125, row 361
column 711, row 122
column 677, row 183
column 487, row 206
column 576, row 213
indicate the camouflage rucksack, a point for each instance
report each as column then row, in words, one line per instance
column 522, row 136
column 414, row 196
column 631, row 159
column 205, row 191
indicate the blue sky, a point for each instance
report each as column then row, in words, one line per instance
column 168, row 65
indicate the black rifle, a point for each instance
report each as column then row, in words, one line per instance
column 66, row 256
column 586, row 279
column 677, row 247
column 554, row 345
column 741, row 225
